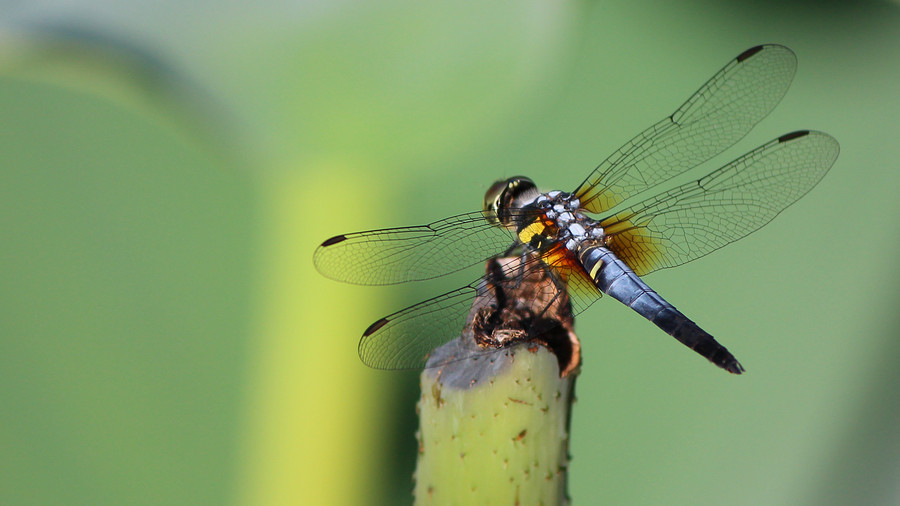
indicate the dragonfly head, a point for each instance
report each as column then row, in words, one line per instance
column 503, row 198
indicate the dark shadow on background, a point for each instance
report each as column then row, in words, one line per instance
column 864, row 467
column 400, row 461
column 58, row 48
column 762, row 6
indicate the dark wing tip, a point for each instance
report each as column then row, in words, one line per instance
column 375, row 326
column 334, row 240
column 793, row 135
column 748, row 53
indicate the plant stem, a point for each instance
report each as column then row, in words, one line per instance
column 494, row 427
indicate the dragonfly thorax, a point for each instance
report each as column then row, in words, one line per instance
column 572, row 227
column 540, row 220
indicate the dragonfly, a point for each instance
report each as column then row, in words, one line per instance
column 620, row 224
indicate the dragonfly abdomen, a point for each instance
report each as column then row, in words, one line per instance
column 612, row 276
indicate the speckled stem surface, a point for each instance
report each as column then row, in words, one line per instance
column 494, row 430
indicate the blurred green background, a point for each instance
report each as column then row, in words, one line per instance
column 168, row 169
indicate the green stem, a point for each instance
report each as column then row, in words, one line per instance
column 501, row 439
column 494, row 424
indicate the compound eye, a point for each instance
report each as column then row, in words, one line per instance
column 492, row 196
column 504, row 198
column 520, row 191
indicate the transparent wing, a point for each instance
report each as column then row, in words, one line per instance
column 714, row 118
column 569, row 273
column 405, row 339
column 398, row 255
column 700, row 217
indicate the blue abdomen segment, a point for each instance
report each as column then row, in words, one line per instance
column 613, row 277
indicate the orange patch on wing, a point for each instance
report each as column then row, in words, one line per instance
column 562, row 260
column 598, row 200
column 570, row 270
column 633, row 244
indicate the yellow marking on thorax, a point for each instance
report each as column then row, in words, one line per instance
column 538, row 227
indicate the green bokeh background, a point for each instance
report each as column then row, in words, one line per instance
column 168, row 169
